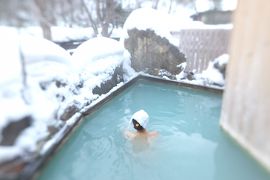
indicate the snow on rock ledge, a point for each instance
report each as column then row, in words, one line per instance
column 98, row 63
column 149, row 19
column 97, row 59
column 95, row 49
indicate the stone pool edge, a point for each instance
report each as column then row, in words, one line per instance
column 33, row 169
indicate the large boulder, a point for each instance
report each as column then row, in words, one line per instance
column 147, row 37
column 152, row 53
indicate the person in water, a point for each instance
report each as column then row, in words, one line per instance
column 139, row 121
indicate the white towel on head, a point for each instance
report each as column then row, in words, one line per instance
column 141, row 117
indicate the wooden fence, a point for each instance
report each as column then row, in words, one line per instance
column 202, row 45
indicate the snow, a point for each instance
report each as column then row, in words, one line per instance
column 44, row 59
column 93, row 54
column 9, row 55
column 63, row 34
column 203, row 5
column 210, row 77
column 7, row 106
column 40, row 105
column 129, row 72
column 149, row 19
column 229, row 5
column 92, row 63
column 60, row 33
column 8, row 153
column 212, row 74
column 163, row 23
column 95, row 61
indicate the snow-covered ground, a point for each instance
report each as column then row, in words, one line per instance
column 55, row 80
column 61, row 34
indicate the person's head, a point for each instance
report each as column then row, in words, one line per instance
column 137, row 126
column 139, row 120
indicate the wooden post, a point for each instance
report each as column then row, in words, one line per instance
column 246, row 102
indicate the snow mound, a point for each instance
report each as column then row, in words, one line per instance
column 97, row 54
column 149, row 19
column 45, row 59
column 214, row 75
column 10, row 65
column 63, row 34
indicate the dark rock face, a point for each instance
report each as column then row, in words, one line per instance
column 70, row 111
column 13, row 130
column 151, row 53
column 221, row 68
column 106, row 86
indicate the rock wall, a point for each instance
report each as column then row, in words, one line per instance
column 103, row 88
column 152, row 54
column 12, row 130
column 106, row 86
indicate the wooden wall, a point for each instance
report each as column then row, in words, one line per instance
column 246, row 102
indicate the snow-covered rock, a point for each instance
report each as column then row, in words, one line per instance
column 100, row 64
column 214, row 75
column 97, row 59
column 56, row 86
column 149, row 19
column 44, row 61
column 97, row 54
column 150, row 43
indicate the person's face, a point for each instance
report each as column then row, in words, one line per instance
column 136, row 125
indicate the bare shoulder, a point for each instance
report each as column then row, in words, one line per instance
column 153, row 134
column 129, row 135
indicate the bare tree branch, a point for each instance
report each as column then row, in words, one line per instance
column 100, row 17
column 170, row 7
column 94, row 25
column 155, row 4
column 24, row 74
column 44, row 23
